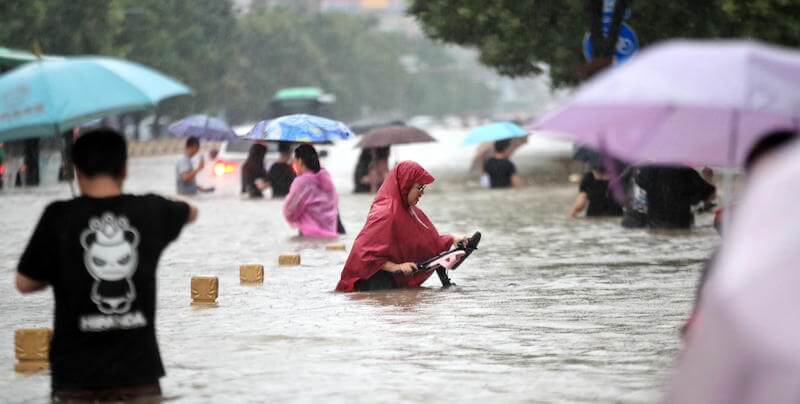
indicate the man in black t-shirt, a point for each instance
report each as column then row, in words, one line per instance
column 499, row 170
column 671, row 192
column 281, row 175
column 99, row 252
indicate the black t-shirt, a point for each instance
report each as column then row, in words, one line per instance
column 601, row 201
column 100, row 257
column 671, row 192
column 499, row 171
column 280, row 178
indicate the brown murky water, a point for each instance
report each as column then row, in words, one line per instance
column 548, row 310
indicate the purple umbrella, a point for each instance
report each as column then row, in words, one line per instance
column 743, row 345
column 202, row 127
column 699, row 102
column 390, row 135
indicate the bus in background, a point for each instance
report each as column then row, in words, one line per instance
column 301, row 100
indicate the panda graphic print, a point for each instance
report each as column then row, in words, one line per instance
column 110, row 256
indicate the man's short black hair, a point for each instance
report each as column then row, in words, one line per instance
column 100, row 152
column 284, row 147
column 192, row 141
column 767, row 144
column 502, row 145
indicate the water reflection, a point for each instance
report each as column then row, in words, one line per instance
column 547, row 310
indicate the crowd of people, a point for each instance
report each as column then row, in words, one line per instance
column 99, row 251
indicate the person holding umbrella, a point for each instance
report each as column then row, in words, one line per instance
column 186, row 183
column 499, row 171
column 373, row 165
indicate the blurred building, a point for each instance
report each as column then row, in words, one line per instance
column 307, row 6
column 359, row 6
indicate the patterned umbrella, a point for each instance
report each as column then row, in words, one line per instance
column 300, row 128
column 394, row 135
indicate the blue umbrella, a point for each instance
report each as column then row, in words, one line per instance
column 203, row 127
column 494, row 131
column 300, row 128
column 47, row 97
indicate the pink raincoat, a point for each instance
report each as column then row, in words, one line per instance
column 312, row 204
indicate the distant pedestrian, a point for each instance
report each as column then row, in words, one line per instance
column 254, row 175
column 499, row 170
column 671, row 193
column 361, row 172
column 379, row 168
column 99, row 252
column 312, row 203
column 594, row 195
column 281, row 174
column 187, row 174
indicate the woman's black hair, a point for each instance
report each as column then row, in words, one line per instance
column 308, row 155
column 382, row 153
column 769, row 143
column 255, row 156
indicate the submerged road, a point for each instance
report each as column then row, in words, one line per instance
column 548, row 310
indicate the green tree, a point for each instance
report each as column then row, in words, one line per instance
column 189, row 40
column 60, row 27
column 520, row 37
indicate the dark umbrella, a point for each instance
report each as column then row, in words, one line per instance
column 391, row 135
column 203, row 127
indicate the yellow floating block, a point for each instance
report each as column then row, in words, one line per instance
column 32, row 343
column 32, row 349
column 205, row 289
column 251, row 273
column 31, row 366
column 289, row 259
column 335, row 247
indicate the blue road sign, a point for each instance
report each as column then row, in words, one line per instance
column 627, row 44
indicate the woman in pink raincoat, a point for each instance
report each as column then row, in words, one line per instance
column 312, row 203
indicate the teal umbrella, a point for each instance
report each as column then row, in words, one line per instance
column 45, row 98
column 494, row 131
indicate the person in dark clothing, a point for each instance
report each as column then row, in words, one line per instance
column 281, row 174
column 499, row 170
column 634, row 210
column 360, row 183
column 378, row 168
column 31, row 160
column 254, row 175
column 671, row 192
column 595, row 196
column 99, row 252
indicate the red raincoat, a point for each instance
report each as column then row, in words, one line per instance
column 395, row 231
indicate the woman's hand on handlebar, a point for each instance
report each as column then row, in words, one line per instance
column 459, row 238
column 405, row 268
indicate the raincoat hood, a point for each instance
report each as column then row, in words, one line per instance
column 394, row 232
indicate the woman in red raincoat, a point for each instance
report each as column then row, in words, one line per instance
column 397, row 236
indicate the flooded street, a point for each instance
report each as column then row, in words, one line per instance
column 547, row 310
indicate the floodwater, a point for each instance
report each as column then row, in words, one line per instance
column 547, row 310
